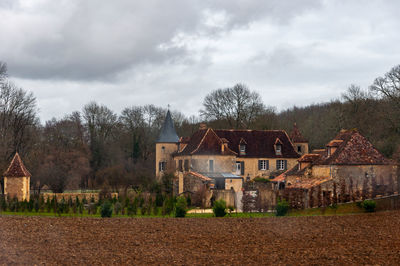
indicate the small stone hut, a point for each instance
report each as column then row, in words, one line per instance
column 17, row 180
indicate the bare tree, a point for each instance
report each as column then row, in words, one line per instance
column 388, row 86
column 238, row 106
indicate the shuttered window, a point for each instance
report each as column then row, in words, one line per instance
column 162, row 166
column 263, row 165
column 186, row 165
column 281, row 164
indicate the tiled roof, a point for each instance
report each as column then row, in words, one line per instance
column 310, row 157
column 16, row 168
column 296, row 136
column 353, row 149
column 205, row 142
column 259, row 143
column 202, row 177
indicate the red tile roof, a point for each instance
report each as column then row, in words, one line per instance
column 296, row 136
column 353, row 149
column 311, row 157
column 205, row 142
column 17, row 168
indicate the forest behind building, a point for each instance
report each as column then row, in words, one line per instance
column 96, row 148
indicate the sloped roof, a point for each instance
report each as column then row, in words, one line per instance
column 310, row 157
column 259, row 143
column 353, row 149
column 168, row 133
column 296, row 135
column 16, row 168
column 205, row 142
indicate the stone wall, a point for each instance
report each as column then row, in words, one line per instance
column 229, row 196
column 73, row 196
column 17, row 187
column 164, row 153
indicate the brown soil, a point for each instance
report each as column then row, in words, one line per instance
column 361, row 239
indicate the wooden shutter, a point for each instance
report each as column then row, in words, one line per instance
column 285, row 164
column 242, row 168
column 267, row 164
column 259, row 165
column 159, row 166
column 277, row 164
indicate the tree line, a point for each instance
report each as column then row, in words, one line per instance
column 96, row 148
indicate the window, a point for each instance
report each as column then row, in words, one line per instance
column 278, row 149
column 299, row 149
column 240, row 168
column 186, row 165
column 163, row 149
column 281, row 164
column 242, row 148
column 263, row 164
column 180, row 166
column 162, row 166
column 211, row 165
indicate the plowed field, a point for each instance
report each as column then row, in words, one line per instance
column 361, row 239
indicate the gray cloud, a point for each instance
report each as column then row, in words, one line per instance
column 124, row 53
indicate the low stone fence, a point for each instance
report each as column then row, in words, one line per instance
column 388, row 203
column 80, row 195
column 229, row 196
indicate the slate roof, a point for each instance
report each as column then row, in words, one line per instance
column 16, row 168
column 296, row 135
column 168, row 133
column 259, row 143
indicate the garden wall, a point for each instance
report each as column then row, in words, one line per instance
column 73, row 196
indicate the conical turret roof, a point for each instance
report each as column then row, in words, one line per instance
column 168, row 133
column 17, row 168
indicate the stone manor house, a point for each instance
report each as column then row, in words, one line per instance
column 349, row 168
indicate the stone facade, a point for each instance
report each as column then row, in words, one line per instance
column 17, row 187
column 17, row 180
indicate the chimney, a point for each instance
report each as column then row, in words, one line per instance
column 203, row 126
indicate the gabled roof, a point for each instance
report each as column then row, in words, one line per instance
column 168, row 133
column 296, row 136
column 16, row 168
column 259, row 143
column 353, row 149
column 205, row 142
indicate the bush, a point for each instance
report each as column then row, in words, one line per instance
column 132, row 208
column 168, row 206
column 180, row 207
column 117, row 208
column 369, row 205
column 282, row 208
column 92, row 208
column 106, row 209
column 261, row 180
column 219, row 208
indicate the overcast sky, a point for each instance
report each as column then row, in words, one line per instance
column 122, row 52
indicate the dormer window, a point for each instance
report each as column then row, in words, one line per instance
column 278, row 149
column 242, row 149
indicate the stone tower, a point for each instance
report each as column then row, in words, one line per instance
column 166, row 145
column 299, row 142
column 17, row 180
